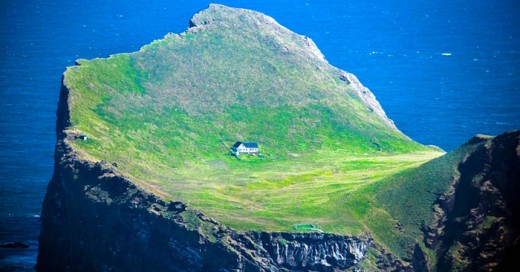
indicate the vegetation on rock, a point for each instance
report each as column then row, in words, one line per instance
column 167, row 114
column 164, row 117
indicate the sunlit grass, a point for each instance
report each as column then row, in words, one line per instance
column 322, row 188
column 165, row 117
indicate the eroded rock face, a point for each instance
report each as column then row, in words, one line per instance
column 314, row 251
column 93, row 220
column 366, row 96
column 477, row 225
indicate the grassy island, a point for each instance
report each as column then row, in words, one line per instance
column 166, row 116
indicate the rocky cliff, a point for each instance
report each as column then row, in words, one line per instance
column 477, row 226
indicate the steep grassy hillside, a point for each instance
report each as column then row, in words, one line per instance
column 399, row 208
column 460, row 208
column 165, row 117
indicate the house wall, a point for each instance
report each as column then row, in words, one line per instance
column 247, row 150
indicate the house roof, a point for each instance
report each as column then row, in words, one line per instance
column 246, row 144
column 251, row 145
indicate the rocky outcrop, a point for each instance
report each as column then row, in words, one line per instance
column 477, row 222
column 366, row 96
column 420, row 261
column 96, row 220
column 303, row 45
column 314, row 251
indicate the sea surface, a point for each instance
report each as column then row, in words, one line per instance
column 443, row 71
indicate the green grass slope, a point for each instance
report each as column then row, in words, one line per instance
column 399, row 207
column 167, row 114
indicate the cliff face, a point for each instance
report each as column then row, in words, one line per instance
column 313, row 251
column 93, row 220
column 477, row 226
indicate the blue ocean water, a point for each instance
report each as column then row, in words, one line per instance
column 443, row 71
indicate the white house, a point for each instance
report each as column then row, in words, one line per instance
column 244, row 148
